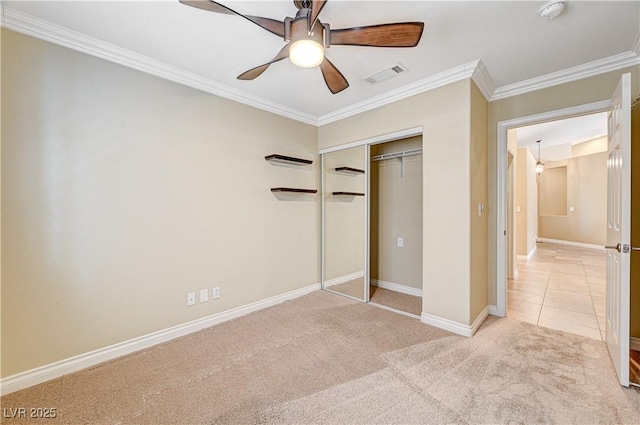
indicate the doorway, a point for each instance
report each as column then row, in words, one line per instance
column 560, row 218
column 501, row 184
column 618, row 241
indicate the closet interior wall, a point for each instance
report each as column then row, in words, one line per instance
column 396, row 212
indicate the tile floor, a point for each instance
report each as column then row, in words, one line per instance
column 561, row 287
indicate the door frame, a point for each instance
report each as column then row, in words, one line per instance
column 501, row 184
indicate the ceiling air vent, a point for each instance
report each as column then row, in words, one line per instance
column 386, row 74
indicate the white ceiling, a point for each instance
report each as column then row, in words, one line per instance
column 512, row 41
column 558, row 136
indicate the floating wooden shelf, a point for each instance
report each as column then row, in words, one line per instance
column 291, row 189
column 347, row 194
column 287, row 159
column 349, row 170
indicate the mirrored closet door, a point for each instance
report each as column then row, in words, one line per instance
column 345, row 227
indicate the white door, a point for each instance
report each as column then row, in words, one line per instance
column 618, row 228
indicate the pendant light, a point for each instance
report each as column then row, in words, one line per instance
column 539, row 164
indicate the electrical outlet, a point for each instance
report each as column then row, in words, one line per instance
column 204, row 295
column 400, row 242
column 191, row 298
column 216, row 293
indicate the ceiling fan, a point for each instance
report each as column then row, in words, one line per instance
column 307, row 38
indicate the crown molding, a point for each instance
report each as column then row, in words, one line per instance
column 483, row 80
column 590, row 69
column 446, row 77
column 47, row 31
column 476, row 70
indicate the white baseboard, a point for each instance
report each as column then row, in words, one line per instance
column 404, row 289
column 455, row 327
column 343, row 279
column 493, row 310
column 634, row 343
column 570, row 243
column 73, row 364
column 529, row 255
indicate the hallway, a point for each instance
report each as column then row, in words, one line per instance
column 561, row 287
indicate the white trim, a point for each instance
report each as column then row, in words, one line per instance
column 570, row 243
column 493, row 311
column 383, row 138
column 44, row 30
column 404, row 313
column 634, row 343
column 48, row 31
column 484, row 81
column 441, row 79
column 590, row 69
column 501, row 184
column 73, row 364
column 396, row 287
column 455, row 327
column 343, row 279
column 636, row 45
column 529, row 255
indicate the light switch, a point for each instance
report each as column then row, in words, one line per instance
column 204, row 295
column 572, row 209
column 518, row 209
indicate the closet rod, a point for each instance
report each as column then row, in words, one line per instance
column 402, row 154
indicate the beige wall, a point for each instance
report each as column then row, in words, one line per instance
column 587, row 90
column 445, row 116
column 589, row 147
column 396, row 211
column 121, row 192
column 479, row 189
column 345, row 216
column 552, row 193
column 586, row 192
column 526, row 199
column 635, row 220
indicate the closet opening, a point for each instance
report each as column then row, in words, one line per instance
column 372, row 221
column 395, row 225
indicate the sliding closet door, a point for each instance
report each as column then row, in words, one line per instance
column 345, row 227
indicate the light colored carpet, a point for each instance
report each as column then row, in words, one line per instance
column 326, row 359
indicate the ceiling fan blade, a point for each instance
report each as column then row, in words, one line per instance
column 258, row 70
column 316, row 8
column 273, row 26
column 334, row 78
column 401, row 34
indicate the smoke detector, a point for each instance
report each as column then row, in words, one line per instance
column 552, row 9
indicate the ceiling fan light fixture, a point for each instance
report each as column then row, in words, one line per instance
column 306, row 53
column 552, row 9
